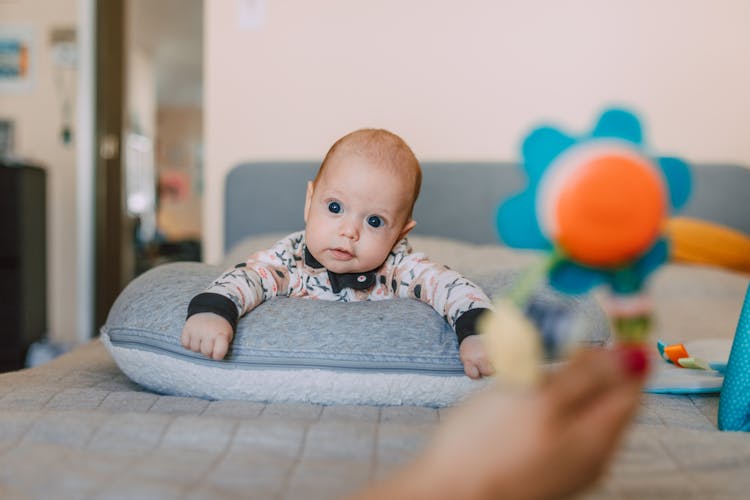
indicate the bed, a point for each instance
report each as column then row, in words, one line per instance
column 77, row 427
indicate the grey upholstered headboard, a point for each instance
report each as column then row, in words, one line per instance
column 458, row 199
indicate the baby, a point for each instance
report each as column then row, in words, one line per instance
column 358, row 211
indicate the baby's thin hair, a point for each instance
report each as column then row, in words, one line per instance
column 382, row 146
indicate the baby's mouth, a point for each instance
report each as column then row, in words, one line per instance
column 341, row 254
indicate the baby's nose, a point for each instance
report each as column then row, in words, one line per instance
column 349, row 228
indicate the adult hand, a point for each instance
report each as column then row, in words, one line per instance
column 548, row 442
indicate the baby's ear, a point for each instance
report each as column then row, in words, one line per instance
column 308, row 199
column 407, row 227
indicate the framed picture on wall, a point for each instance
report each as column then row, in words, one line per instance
column 17, row 58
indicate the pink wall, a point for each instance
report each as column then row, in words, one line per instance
column 463, row 80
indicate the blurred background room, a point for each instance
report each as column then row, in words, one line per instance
column 119, row 119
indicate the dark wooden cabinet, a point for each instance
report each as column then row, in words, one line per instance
column 23, row 261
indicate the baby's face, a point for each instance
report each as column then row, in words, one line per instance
column 355, row 213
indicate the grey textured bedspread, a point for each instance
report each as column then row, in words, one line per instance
column 78, row 428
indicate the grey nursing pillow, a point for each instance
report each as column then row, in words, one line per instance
column 394, row 352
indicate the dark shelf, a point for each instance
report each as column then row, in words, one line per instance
column 23, row 260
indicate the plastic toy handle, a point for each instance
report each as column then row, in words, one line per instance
column 734, row 402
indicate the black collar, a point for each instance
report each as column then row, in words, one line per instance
column 357, row 281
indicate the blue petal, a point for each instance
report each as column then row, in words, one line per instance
column 540, row 147
column 572, row 278
column 678, row 178
column 517, row 224
column 619, row 124
column 655, row 257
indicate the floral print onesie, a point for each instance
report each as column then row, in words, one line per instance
column 288, row 269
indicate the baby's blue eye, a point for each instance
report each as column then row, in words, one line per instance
column 334, row 207
column 375, row 221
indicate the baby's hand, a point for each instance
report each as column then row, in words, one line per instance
column 207, row 333
column 474, row 357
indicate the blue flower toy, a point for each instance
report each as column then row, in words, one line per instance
column 598, row 202
column 597, row 205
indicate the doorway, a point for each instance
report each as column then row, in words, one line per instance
column 149, row 129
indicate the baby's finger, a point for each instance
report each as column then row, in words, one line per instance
column 471, row 370
column 207, row 346
column 195, row 342
column 185, row 338
column 221, row 346
column 485, row 368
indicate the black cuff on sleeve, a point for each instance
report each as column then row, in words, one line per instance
column 214, row 303
column 466, row 324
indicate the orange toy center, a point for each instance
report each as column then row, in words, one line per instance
column 610, row 210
